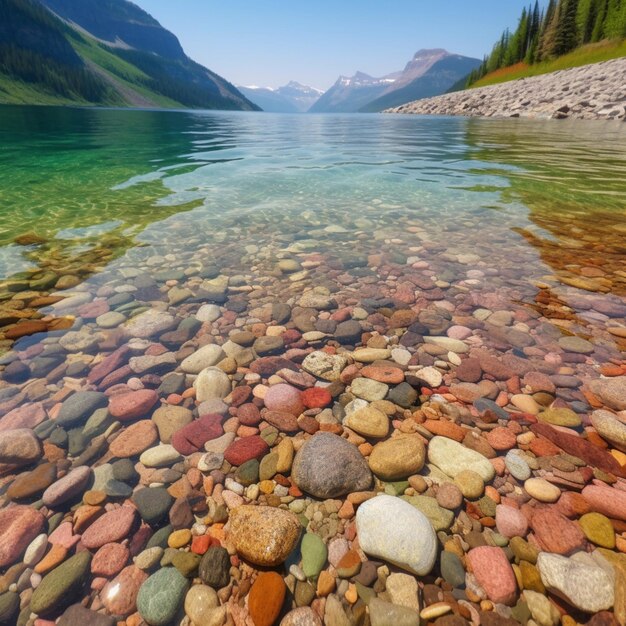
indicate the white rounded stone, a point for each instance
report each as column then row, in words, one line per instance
column 585, row 586
column 160, row 456
column 212, row 383
column 390, row 528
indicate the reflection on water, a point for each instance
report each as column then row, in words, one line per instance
column 572, row 179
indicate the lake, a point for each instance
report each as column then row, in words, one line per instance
column 183, row 291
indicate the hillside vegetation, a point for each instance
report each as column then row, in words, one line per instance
column 49, row 55
column 590, row 53
column 569, row 33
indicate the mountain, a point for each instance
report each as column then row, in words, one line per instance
column 429, row 71
column 349, row 94
column 291, row 98
column 438, row 79
column 101, row 52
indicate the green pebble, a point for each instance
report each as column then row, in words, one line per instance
column 304, row 593
column 160, row 537
column 452, row 569
column 523, row 551
column 487, row 506
column 186, row 563
column 268, row 466
column 440, row 518
column 161, row 596
column 269, row 435
column 396, row 488
column 60, row 586
column 314, row 555
column 9, row 606
column 248, row 473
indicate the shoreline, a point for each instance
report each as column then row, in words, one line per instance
column 588, row 92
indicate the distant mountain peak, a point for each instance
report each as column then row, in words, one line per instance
column 426, row 52
column 294, row 97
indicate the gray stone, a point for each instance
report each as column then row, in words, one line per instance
column 612, row 391
column 78, row 615
column 215, row 567
column 328, row 466
column 516, row 464
column 153, row 504
column 80, row 406
column 452, row 458
column 325, row 366
column 348, row 332
column 149, row 324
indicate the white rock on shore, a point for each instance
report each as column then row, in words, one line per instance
column 596, row 91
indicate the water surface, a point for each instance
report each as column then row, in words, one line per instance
column 538, row 206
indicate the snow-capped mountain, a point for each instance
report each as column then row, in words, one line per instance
column 428, row 73
column 350, row 93
column 290, row 98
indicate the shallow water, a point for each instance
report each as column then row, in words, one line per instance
column 531, row 202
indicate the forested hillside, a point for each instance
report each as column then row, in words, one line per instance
column 104, row 52
column 35, row 47
column 561, row 28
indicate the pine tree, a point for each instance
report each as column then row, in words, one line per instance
column 615, row 20
column 566, row 37
column 598, row 27
column 584, row 20
column 548, row 34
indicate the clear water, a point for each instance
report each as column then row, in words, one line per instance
column 537, row 208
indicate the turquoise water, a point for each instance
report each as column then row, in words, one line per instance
column 103, row 190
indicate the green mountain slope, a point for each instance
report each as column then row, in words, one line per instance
column 48, row 55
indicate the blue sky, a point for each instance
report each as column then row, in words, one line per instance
column 269, row 42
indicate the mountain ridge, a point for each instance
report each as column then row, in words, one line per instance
column 358, row 93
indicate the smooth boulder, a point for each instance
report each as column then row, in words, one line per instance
column 391, row 529
column 328, row 466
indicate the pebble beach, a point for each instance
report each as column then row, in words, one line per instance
column 373, row 417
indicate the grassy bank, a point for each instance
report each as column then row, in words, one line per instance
column 591, row 53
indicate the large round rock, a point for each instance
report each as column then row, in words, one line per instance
column 391, row 529
column 263, row 535
column 328, row 466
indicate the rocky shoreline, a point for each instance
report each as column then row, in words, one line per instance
column 596, row 91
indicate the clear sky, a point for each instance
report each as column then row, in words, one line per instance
column 270, row 42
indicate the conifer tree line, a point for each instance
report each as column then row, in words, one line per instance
column 546, row 34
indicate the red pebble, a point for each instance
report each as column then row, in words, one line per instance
column 316, row 397
column 199, row 545
column 243, row 450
